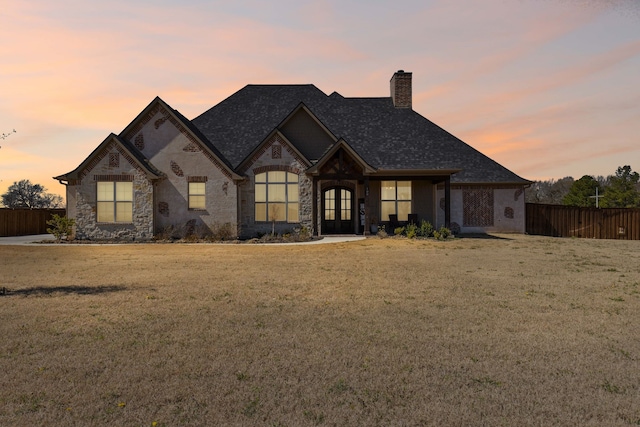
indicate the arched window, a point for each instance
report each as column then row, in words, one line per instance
column 276, row 196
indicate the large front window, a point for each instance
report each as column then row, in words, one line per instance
column 115, row 201
column 276, row 196
column 395, row 199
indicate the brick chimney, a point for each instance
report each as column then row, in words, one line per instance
column 401, row 89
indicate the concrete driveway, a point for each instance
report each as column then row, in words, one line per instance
column 25, row 240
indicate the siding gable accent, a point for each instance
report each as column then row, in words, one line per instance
column 197, row 142
column 307, row 133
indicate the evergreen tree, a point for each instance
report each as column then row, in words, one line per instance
column 622, row 191
column 582, row 192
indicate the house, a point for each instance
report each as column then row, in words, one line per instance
column 290, row 156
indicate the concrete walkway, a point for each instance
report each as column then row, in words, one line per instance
column 36, row 239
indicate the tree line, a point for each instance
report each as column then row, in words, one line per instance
column 620, row 190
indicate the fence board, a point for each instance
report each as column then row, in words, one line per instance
column 594, row 223
column 24, row 222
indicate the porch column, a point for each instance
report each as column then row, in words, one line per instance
column 447, row 202
column 314, row 206
column 367, row 218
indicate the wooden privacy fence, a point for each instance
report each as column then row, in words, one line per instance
column 23, row 222
column 594, row 223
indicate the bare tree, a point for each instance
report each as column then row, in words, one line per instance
column 24, row 194
column 550, row 191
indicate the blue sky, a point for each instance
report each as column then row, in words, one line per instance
column 547, row 88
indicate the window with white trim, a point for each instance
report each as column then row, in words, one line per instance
column 276, row 196
column 395, row 199
column 115, row 201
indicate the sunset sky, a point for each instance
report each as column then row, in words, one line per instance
column 548, row 88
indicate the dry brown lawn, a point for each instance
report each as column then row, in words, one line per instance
column 514, row 331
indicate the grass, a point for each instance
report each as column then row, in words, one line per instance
column 377, row 332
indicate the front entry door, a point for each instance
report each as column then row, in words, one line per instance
column 337, row 211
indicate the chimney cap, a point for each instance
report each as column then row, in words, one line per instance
column 401, row 71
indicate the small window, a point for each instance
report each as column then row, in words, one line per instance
column 395, row 199
column 276, row 196
column 197, row 195
column 115, row 202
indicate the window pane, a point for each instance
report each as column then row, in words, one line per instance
column 404, row 209
column 197, row 188
column 105, row 192
column 329, row 213
column 261, row 177
column 124, row 212
column 277, row 176
column 292, row 177
column 293, row 212
column 292, row 192
column 197, row 202
column 124, row 191
column 276, row 192
column 261, row 192
column 105, row 212
column 388, row 190
column 387, row 208
column 404, row 190
column 277, row 212
column 261, row 211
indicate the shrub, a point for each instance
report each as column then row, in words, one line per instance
column 444, row 232
column 61, row 226
column 426, row 229
column 382, row 232
column 398, row 231
column 411, row 231
column 226, row 231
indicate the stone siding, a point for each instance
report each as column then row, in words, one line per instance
column 264, row 160
column 85, row 205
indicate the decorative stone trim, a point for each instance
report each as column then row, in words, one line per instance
column 139, row 142
column 278, row 168
column 114, row 160
column 175, row 168
column 517, row 194
column 276, row 151
column 114, row 178
column 163, row 208
column 508, row 212
column 101, row 155
column 197, row 179
column 477, row 207
column 191, row 148
column 160, row 121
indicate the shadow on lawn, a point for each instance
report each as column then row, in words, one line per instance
column 480, row 236
column 48, row 290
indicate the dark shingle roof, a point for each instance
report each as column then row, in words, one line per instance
column 386, row 137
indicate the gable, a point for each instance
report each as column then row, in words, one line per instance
column 307, row 134
column 159, row 128
column 117, row 150
column 274, row 150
